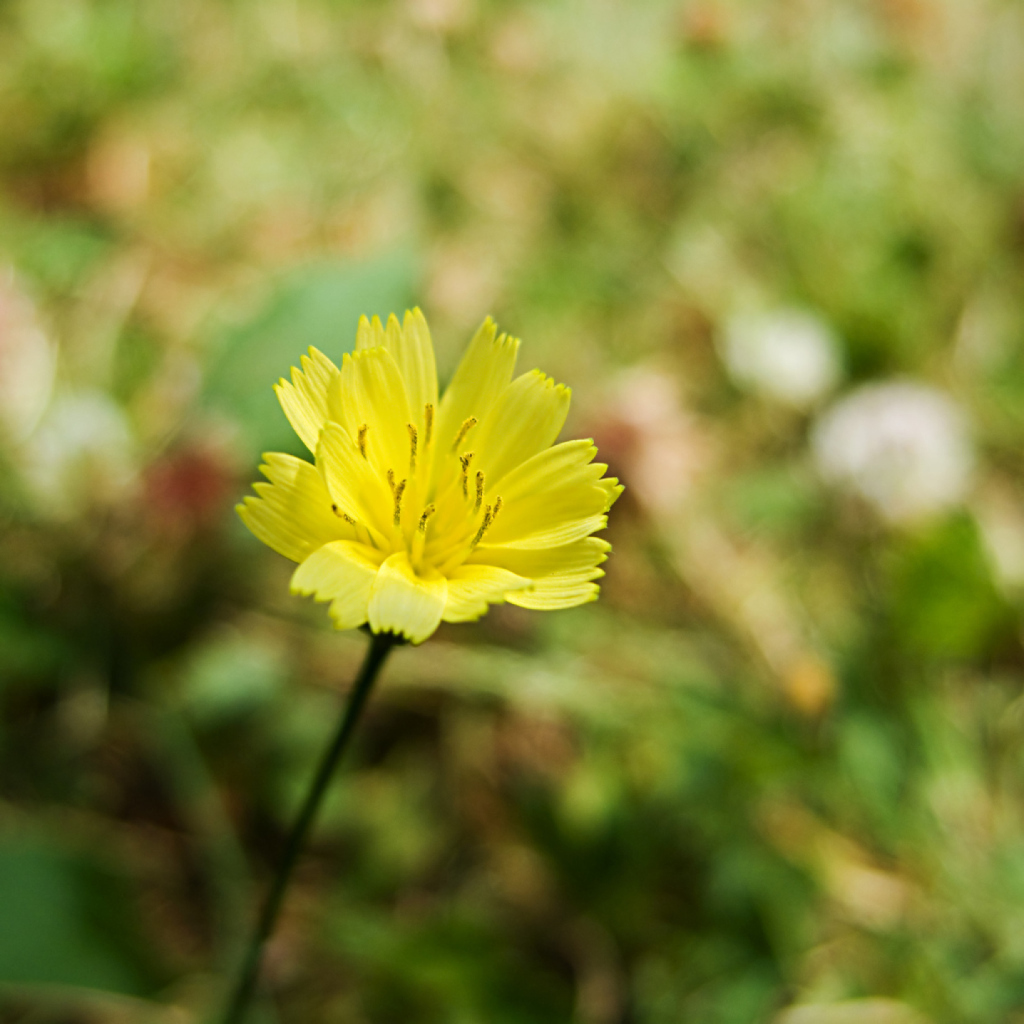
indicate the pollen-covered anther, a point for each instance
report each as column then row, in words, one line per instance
column 398, row 490
column 427, row 513
column 465, row 460
column 479, row 492
column 467, row 425
column 363, row 430
column 490, row 514
column 428, row 423
column 342, row 515
column 413, row 443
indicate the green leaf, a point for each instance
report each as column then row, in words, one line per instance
column 63, row 921
column 944, row 601
column 318, row 305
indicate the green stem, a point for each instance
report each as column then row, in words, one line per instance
column 380, row 647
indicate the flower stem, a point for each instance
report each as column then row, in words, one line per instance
column 376, row 655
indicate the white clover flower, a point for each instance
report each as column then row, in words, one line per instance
column 905, row 448
column 82, row 452
column 788, row 355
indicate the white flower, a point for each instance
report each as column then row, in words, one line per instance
column 787, row 355
column 905, row 448
column 81, row 453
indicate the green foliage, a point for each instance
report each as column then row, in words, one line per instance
column 780, row 763
column 316, row 306
column 64, row 921
column 944, row 601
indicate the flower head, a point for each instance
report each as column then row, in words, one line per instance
column 905, row 448
column 419, row 510
column 788, row 355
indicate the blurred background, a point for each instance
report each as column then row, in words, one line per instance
column 776, row 773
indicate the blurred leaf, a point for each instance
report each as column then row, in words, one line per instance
column 136, row 356
column 944, row 601
column 319, row 305
column 774, row 500
column 233, row 674
column 28, row 650
column 57, row 251
column 856, row 1011
column 870, row 754
column 448, row 967
column 65, row 922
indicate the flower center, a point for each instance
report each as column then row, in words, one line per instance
column 439, row 514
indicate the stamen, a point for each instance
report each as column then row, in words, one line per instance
column 467, row 426
column 342, row 515
column 488, row 517
column 479, row 492
column 428, row 423
column 399, row 491
column 391, row 480
column 465, row 460
column 362, row 439
column 427, row 513
column 413, row 441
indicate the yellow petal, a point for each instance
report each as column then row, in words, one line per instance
column 414, row 352
column 612, row 489
column 484, row 372
column 403, row 602
column 471, row 588
column 369, row 334
column 550, row 595
column 306, row 399
column 562, row 532
column 343, row 573
column 561, row 577
column 579, row 559
column 568, row 461
column 293, row 512
column 524, row 420
column 554, row 498
column 372, row 383
column 354, row 487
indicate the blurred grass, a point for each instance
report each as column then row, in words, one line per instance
column 775, row 774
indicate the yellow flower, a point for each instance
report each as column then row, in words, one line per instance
column 418, row 511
